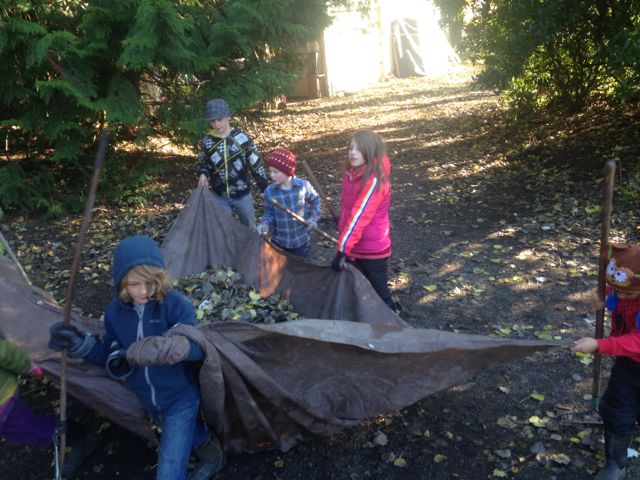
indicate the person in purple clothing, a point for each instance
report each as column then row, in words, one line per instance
column 298, row 196
column 20, row 425
column 147, row 306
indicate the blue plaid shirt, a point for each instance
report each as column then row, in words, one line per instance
column 302, row 199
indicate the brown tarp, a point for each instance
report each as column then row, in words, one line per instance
column 203, row 235
column 270, row 386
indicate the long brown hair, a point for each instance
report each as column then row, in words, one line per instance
column 157, row 279
column 373, row 149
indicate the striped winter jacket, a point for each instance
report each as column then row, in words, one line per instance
column 230, row 162
column 364, row 215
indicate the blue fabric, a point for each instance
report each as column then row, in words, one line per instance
column 161, row 385
column 243, row 206
column 134, row 251
column 181, row 433
column 612, row 301
column 302, row 199
column 216, row 109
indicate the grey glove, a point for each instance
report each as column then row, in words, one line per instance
column 159, row 350
column 262, row 229
column 63, row 336
column 312, row 224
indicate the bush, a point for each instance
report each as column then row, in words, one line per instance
column 25, row 190
column 49, row 189
column 558, row 53
column 129, row 180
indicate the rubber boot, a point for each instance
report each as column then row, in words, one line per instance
column 615, row 449
column 80, row 444
column 211, row 459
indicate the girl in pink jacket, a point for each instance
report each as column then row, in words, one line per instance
column 364, row 214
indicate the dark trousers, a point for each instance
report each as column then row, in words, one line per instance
column 376, row 272
column 620, row 405
column 303, row 251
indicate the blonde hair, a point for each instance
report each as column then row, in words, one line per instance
column 158, row 280
column 373, row 149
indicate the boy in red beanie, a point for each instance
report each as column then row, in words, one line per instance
column 298, row 196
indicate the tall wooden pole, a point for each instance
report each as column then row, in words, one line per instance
column 607, row 202
column 86, row 221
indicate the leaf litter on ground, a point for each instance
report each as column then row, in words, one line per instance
column 219, row 295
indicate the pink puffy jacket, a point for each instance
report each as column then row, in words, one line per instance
column 364, row 215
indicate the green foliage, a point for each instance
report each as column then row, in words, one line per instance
column 45, row 187
column 452, row 14
column 558, row 53
column 129, row 179
column 73, row 68
column 628, row 193
column 25, row 189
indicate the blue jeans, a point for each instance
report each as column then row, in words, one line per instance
column 181, row 432
column 243, row 207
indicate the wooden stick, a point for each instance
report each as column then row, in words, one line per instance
column 84, row 227
column 607, row 202
column 316, row 185
column 13, row 257
column 302, row 220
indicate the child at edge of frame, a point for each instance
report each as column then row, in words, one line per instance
column 227, row 160
column 20, row 425
column 146, row 305
column 620, row 405
column 297, row 195
column 364, row 239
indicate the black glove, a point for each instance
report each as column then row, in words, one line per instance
column 338, row 262
column 63, row 336
column 117, row 365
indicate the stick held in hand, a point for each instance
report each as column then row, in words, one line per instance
column 302, row 220
column 607, row 202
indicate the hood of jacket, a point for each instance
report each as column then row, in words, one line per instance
column 134, row 251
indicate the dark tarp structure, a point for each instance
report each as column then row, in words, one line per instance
column 271, row 386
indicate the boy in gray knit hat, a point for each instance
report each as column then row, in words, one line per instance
column 227, row 160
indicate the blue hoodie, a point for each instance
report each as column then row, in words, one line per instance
column 157, row 387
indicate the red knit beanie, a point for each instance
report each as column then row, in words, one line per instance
column 283, row 160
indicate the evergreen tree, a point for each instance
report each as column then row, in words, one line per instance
column 72, row 67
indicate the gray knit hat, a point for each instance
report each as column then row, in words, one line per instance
column 216, row 109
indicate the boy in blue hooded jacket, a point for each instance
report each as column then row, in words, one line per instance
column 148, row 306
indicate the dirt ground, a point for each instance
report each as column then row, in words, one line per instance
column 495, row 229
